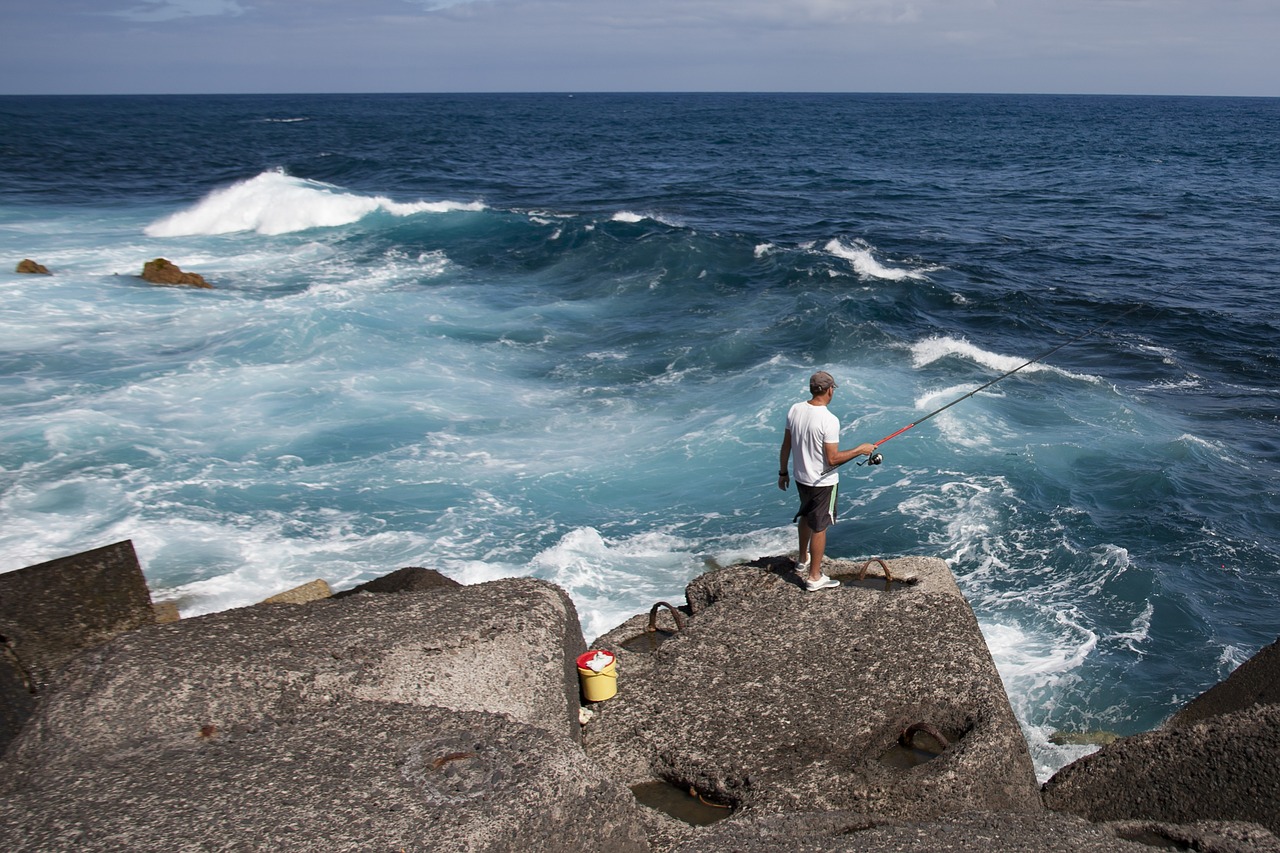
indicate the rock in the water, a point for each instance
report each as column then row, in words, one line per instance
column 316, row 590
column 161, row 271
column 28, row 266
column 1214, row 760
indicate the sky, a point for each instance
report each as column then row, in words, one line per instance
column 1175, row 47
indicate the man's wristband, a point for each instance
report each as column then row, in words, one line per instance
column 782, row 473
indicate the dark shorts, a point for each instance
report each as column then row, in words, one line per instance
column 817, row 506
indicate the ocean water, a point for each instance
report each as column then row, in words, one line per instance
column 557, row 335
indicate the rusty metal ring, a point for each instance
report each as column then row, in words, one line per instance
column 675, row 614
column 909, row 732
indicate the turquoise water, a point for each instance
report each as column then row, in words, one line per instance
column 557, row 336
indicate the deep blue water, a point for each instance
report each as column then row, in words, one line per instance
column 557, row 335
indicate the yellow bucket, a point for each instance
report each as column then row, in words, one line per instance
column 598, row 673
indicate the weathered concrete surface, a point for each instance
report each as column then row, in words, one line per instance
column 975, row 832
column 431, row 720
column 17, row 701
column 1215, row 759
column 1255, row 682
column 356, row 776
column 779, row 700
column 500, row 647
column 1223, row 768
column 52, row 611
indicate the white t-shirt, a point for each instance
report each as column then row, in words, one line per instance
column 811, row 428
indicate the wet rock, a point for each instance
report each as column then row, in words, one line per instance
column 161, row 271
column 166, row 612
column 777, row 700
column 30, row 267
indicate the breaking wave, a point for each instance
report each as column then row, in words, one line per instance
column 275, row 203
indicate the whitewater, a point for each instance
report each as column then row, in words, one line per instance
column 532, row 335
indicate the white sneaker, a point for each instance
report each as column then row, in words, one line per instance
column 802, row 568
column 823, row 582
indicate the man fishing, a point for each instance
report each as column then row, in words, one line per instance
column 813, row 432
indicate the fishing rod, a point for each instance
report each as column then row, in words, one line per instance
column 875, row 458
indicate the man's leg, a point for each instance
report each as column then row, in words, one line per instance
column 817, row 547
column 805, row 536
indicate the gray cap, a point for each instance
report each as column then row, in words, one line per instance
column 820, row 382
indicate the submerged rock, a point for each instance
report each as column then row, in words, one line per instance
column 161, row 271
column 1083, row 738
column 30, row 267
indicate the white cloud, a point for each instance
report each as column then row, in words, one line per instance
column 169, row 10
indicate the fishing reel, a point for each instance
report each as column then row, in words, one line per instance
column 873, row 459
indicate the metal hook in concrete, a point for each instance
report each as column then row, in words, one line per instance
column 694, row 792
column 909, row 732
column 675, row 614
column 888, row 577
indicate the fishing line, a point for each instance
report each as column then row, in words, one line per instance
column 876, row 458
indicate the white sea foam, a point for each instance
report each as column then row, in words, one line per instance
column 610, row 579
column 865, row 263
column 1034, row 667
column 632, row 217
column 275, row 203
column 1139, row 631
column 1230, row 658
column 1190, row 382
column 929, row 350
column 1167, row 354
column 257, row 562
